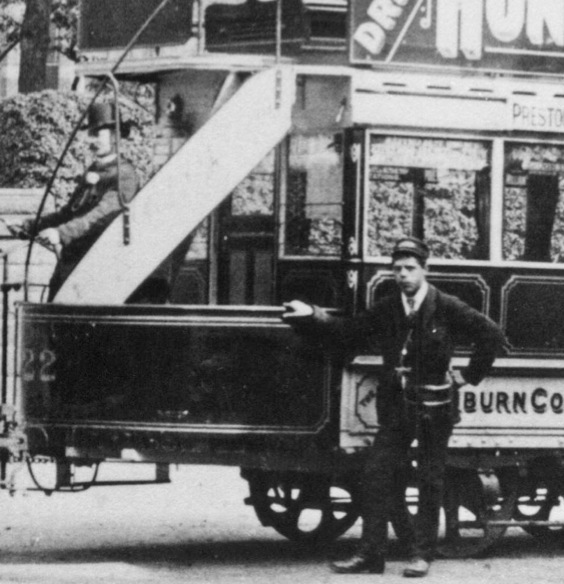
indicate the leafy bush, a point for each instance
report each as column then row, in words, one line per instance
column 34, row 129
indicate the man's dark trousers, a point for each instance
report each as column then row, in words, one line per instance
column 389, row 454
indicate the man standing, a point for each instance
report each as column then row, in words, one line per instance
column 416, row 396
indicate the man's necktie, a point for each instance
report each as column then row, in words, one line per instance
column 403, row 370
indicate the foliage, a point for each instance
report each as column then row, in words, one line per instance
column 254, row 195
column 64, row 17
column 313, row 213
column 389, row 214
column 64, row 21
column 35, row 127
column 523, row 160
column 449, row 213
column 11, row 16
column 325, row 235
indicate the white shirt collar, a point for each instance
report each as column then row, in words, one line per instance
column 419, row 297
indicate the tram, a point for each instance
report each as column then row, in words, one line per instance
column 312, row 134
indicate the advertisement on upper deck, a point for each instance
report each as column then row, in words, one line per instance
column 503, row 35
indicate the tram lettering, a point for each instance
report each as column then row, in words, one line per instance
column 548, row 14
column 47, row 359
column 38, row 365
column 460, row 24
column 539, row 401
column 519, row 401
column 459, row 27
column 557, row 403
column 486, row 406
column 384, row 16
column 368, row 398
column 538, row 406
column 537, row 116
column 28, row 365
column 501, row 402
column 469, row 402
column 505, row 19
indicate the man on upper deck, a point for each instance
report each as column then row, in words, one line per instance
column 106, row 186
column 416, row 396
column 98, row 198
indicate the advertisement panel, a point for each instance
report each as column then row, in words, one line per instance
column 510, row 409
column 503, row 35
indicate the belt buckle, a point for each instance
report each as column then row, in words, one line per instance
column 402, row 373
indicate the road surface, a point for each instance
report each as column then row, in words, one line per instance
column 197, row 529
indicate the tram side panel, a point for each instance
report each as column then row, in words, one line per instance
column 235, row 386
column 519, row 406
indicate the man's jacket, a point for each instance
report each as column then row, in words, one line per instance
column 92, row 206
column 90, row 209
column 438, row 321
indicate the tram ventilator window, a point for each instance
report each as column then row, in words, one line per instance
column 434, row 189
column 533, row 220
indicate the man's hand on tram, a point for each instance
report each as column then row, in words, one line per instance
column 51, row 239
column 297, row 309
column 20, row 230
column 457, row 379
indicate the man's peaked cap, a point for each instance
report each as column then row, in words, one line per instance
column 410, row 246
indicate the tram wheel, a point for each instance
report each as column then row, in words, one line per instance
column 536, row 504
column 50, row 475
column 305, row 508
column 474, row 501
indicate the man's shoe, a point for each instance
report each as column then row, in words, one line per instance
column 417, row 568
column 374, row 564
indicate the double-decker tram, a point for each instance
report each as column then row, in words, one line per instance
column 312, row 134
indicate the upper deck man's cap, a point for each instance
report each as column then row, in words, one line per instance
column 410, row 246
column 101, row 115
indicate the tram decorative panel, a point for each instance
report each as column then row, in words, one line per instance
column 533, row 314
column 191, row 286
column 311, row 285
column 471, row 288
column 105, row 24
column 200, row 370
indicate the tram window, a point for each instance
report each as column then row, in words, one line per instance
column 435, row 189
column 312, row 211
column 533, row 203
column 199, row 245
column 254, row 195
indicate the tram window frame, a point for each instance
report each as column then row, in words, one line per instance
column 483, row 217
column 539, row 251
column 335, row 142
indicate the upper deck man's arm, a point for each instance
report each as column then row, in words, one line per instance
column 100, row 216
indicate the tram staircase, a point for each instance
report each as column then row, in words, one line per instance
column 202, row 173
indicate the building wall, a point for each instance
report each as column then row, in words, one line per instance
column 60, row 73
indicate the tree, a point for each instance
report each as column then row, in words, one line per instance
column 41, row 26
column 11, row 17
column 35, row 41
column 64, row 18
column 35, row 127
